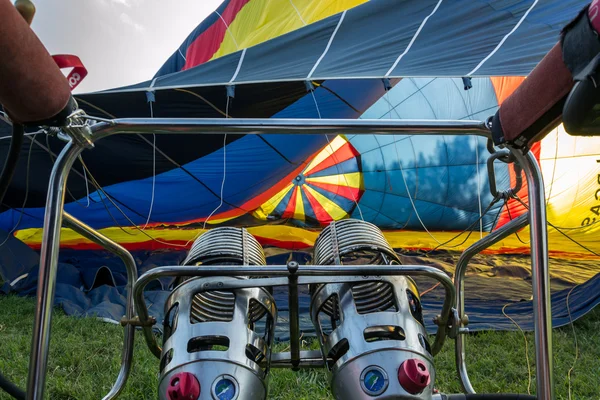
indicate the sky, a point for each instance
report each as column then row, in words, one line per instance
column 120, row 42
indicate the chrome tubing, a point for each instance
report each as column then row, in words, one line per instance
column 313, row 274
column 55, row 201
column 130, row 265
column 540, row 274
column 187, row 344
column 104, row 128
column 308, row 359
column 459, row 276
column 257, row 126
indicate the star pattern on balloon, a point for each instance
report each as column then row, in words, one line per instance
column 328, row 189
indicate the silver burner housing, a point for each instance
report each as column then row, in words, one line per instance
column 220, row 333
column 372, row 325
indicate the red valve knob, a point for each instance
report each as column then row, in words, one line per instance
column 414, row 376
column 183, row 386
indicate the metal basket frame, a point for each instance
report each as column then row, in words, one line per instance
column 450, row 320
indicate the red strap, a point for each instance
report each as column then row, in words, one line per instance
column 593, row 15
column 70, row 61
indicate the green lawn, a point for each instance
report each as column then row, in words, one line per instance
column 85, row 356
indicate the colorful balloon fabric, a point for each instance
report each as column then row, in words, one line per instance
column 321, row 59
column 399, row 59
column 328, row 189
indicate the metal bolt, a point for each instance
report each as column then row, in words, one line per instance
column 292, row 267
column 465, row 320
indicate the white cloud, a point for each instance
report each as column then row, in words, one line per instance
column 127, row 20
column 101, row 40
column 125, row 3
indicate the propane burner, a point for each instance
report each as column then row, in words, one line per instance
column 223, row 246
column 219, row 339
column 371, row 333
column 374, row 297
column 226, row 246
column 354, row 242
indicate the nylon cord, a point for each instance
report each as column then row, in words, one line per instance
column 101, row 192
column 14, row 228
column 404, row 179
column 224, row 169
column 517, row 232
column 52, row 159
column 526, row 347
column 26, row 134
column 575, row 339
column 387, row 99
column 87, row 188
column 470, row 110
column 153, row 180
column 468, row 228
column 559, row 230
column 410, row 196
column 153, row 170
column 135, row 226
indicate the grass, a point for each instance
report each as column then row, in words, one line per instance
column 85, row 359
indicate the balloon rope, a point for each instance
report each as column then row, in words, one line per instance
column 575, row 339
column 559, row 230
column 224, row 169
column 9, row 234
column 153, row 170
column 410, row 197
column 316, row 104
column 387, row 99
column 526, row 347
column 87, row 187
column 26, row 134
column 478, row 186
column 469, row 228
column 404, row 178
column 471, row 113
column 153, row 179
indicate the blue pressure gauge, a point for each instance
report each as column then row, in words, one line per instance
column 225, row 388
column 374, row 380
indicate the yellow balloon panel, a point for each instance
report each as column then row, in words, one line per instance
column 262, row 20
column 571, row 169
column 298, row 238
